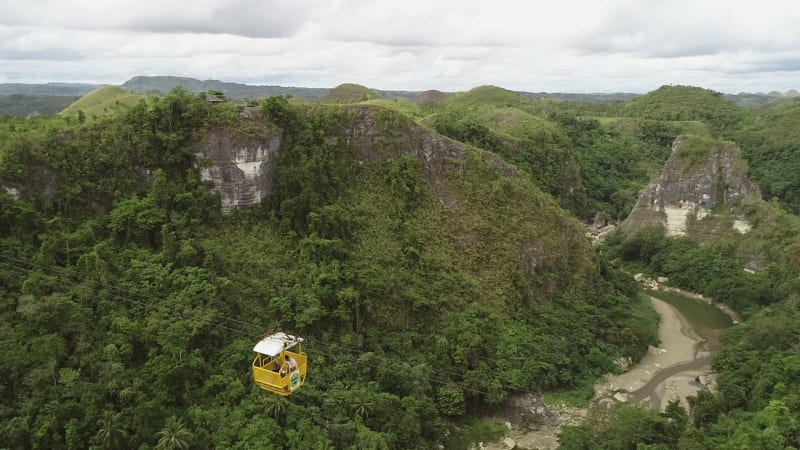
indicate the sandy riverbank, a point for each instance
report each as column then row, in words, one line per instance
column 682, row 385
column 649, row 283
column 665, row 373
column 679, row 345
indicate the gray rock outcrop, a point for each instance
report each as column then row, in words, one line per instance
column 241, row 173
column 700, row 175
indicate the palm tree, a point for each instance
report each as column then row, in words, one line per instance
column 276, row 406
column 324, row 445
column 174, row 436
column 363, row 407
column 111, row 435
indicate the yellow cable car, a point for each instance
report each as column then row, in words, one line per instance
column 275, row 368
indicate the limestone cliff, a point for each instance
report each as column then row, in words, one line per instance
column 476, row 198
column 241, row 172
column 703, row 178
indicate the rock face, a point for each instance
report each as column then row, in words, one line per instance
column 700, row 175
column 242, row 173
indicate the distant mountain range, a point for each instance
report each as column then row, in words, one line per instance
column 163, row 84
column 63, row 89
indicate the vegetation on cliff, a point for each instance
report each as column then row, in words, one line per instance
column 130, row 303
column 771, row 144
column 592, row 165
column 429, row 289
column 755, row 273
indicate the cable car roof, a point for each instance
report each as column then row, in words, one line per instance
column 274, row 344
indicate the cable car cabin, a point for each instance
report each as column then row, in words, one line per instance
column 277, row 368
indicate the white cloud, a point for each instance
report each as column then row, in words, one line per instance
column 254, row 18
column 567, row 45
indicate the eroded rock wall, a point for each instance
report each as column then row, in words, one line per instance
column 688, row 190
column 241, row 172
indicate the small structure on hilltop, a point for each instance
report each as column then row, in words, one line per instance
column 215, row 97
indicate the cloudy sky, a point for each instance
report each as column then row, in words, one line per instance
column 554, row 45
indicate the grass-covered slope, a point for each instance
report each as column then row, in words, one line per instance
column 486, row 95
column 102, row 101
column 349, row 93
column 501, row 121
column 430, row 279
column 771, row 145
column 593, row 158
column 686, row 103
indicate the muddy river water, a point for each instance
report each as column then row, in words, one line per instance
column 689, row 332
column 681, row 366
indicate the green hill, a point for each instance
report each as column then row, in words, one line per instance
column 486, row 95
column 678, row 103
column 771, row 145
column 501, row 121
column 349, row 93
column 102, row 101
column 430, row 279
column 164, row 84
column 430, row 96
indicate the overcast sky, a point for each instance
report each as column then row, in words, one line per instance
column 555, row 45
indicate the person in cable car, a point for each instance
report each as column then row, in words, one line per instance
column 289, row 365
column 278, row 367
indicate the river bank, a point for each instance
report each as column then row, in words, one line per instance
column 658, row 285
column 678, row 368
column 659, row 376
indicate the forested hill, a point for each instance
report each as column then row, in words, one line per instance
column 163, row 84
column 24, row 105
column 49, row 89
column 595, row 160
column 428, row 249
column 47, row 93
column 430, row 278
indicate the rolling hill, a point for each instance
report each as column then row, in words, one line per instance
column 102, row 101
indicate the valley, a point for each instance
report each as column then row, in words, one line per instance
column 147, row 239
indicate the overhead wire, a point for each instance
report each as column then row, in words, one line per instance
column 20, row 265
column 64, row 278
column 358, row 353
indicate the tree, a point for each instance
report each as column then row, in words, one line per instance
column 111, row 434
column 704, row 409
column 367, row 439
column 363, row 406
column 173, row 436
column 276, row 406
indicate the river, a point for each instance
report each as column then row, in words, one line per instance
column 681, row 366
column 689, row 332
